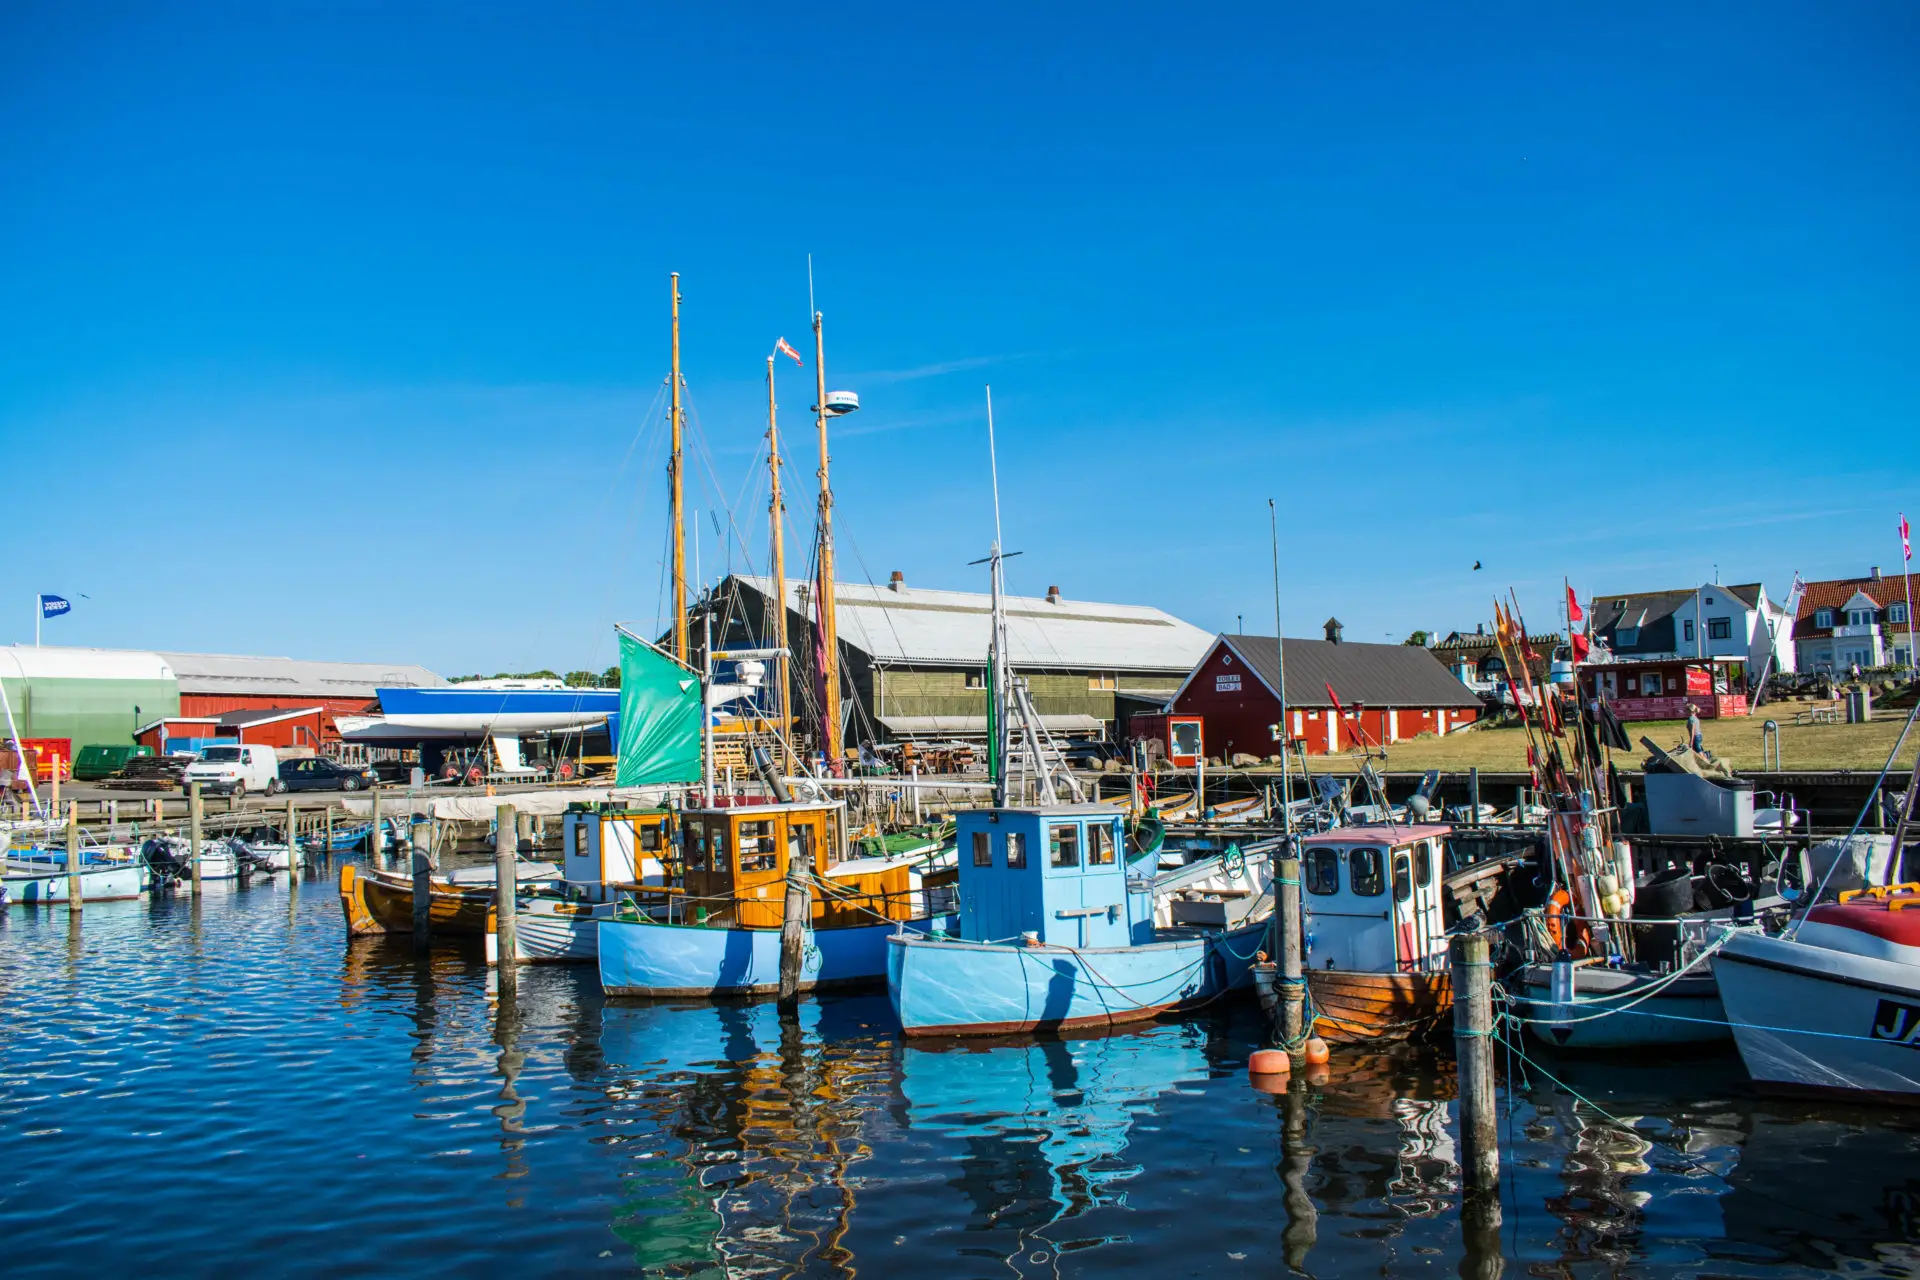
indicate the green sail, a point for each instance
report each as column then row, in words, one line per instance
column 659, row 718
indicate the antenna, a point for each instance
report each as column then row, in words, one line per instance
column 993, row 465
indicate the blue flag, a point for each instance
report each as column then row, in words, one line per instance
column 53, row 606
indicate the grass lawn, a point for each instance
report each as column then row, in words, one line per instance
column 1802, row 747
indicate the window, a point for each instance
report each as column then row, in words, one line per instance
column 800, row 845
column 1402, row 877
column 1186, row 738
column 1859, row 617
column 696, row 848
column 1823, row 617
column 1365, row 874
column 976, row 679
column 1897, row 613
column 1423, row 864
column 982, row 849
column 1105, row 682
column 1100, row 845
column 1323, row 871
column 758, row 852
column 717, row 852
column 1063, row 844
column 1686, row 629
column 1719, row 628
column 1626, row 637
column 1016, row 849
column 651, row 838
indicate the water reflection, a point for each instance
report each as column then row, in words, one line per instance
column 395, row 1110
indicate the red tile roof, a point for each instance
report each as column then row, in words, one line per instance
column 1834, row 594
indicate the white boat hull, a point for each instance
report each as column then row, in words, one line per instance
column 1811, row 1018
column 544, row 935
column 122, row 883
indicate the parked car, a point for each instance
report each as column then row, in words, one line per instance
column 236, row 770
column 317, row 773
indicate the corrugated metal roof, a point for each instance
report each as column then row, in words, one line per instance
column 1377, row 675
column 58, row 662
column 294, row 677
column 949, row 628
column 977, row 725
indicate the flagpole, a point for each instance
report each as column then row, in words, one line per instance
column 39, row 607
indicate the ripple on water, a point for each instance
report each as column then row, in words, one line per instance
column 231, row 1084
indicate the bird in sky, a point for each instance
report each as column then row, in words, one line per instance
column 1476, row 566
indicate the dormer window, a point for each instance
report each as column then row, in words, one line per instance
column 1897, row 613
column 1859, row 617
column 1627, row 637
column 1823, row 617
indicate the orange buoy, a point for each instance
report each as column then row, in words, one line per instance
column 1317, row 1051
column 1269, row 1062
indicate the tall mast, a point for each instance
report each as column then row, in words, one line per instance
column 996, row 645
column 776, row 514
column 673, row 473
column 827, row 605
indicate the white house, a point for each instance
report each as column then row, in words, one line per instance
column 1849, row 622
column 1709, row 621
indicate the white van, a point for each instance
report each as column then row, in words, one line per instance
column 236, row 769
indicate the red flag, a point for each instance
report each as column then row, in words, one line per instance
column 782, row 347
column 1573, row 608
column 1580, row 646
column 1906, row 540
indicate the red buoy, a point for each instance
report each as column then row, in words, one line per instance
column 1269, row 1062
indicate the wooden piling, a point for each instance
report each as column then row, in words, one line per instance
column 374, row 842
column 1293, row 986
column 326, row 844
column 76, row 897
column 293, row 841
column 113, row 818
column 1473, row 1052
column 506, row 895
column 795, row 915
column 422, row 890
column 193, row 833
column 1473, row 796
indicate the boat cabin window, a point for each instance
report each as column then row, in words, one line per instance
column 651, row 838
column 1365, row 874
column 758, row 851
column 696, row 848
column 1402, row 877
column 982, row 849
column 1423, row 864
column 799, row 844
column 1323, row 871
column 1100, row 845
column 1063, row 844
column 1016, row 849
column 718, row 852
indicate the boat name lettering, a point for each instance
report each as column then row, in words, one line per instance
column 1897, row 1022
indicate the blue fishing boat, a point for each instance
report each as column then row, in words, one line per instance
column 1055, row 933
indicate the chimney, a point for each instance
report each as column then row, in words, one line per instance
column 1874, row 573
column 1479, row 628
column 1053, row 595
column 898, row 582
column 1333, row 631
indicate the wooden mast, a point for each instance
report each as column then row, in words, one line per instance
column 674, row 469
column 776, row 516
column 829, row 623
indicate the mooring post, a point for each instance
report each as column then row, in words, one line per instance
column 1473, row 796
column 76, row 898
column 422, row 890
column 293, row 841
column 326, row 846
column 794, row 918
column 1293, row 987
column 113, row 819
column 1473, row 1053
column 506, row 895
column 374, row 842
column 193, row 832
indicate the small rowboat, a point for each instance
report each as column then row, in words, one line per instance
column 1173, row 808
column 382, row 902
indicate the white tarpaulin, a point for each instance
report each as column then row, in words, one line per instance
column 483, row 808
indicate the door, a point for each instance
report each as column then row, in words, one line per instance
column 1349, row 911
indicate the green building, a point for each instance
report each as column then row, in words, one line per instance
column 93, row 696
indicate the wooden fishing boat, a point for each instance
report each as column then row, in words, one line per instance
column 1375, row 953
column 1349, row 1007
column 382, row 902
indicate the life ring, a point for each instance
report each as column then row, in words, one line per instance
column 1556, row 931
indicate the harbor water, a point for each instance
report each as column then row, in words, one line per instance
column 230, row 1085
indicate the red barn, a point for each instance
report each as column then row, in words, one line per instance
column 1391, row 692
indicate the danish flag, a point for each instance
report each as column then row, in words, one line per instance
column 1906, row 540
column 783, row 347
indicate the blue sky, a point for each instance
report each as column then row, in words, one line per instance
column 337, row 330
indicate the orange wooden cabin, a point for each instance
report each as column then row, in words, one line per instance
column 735, row 867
